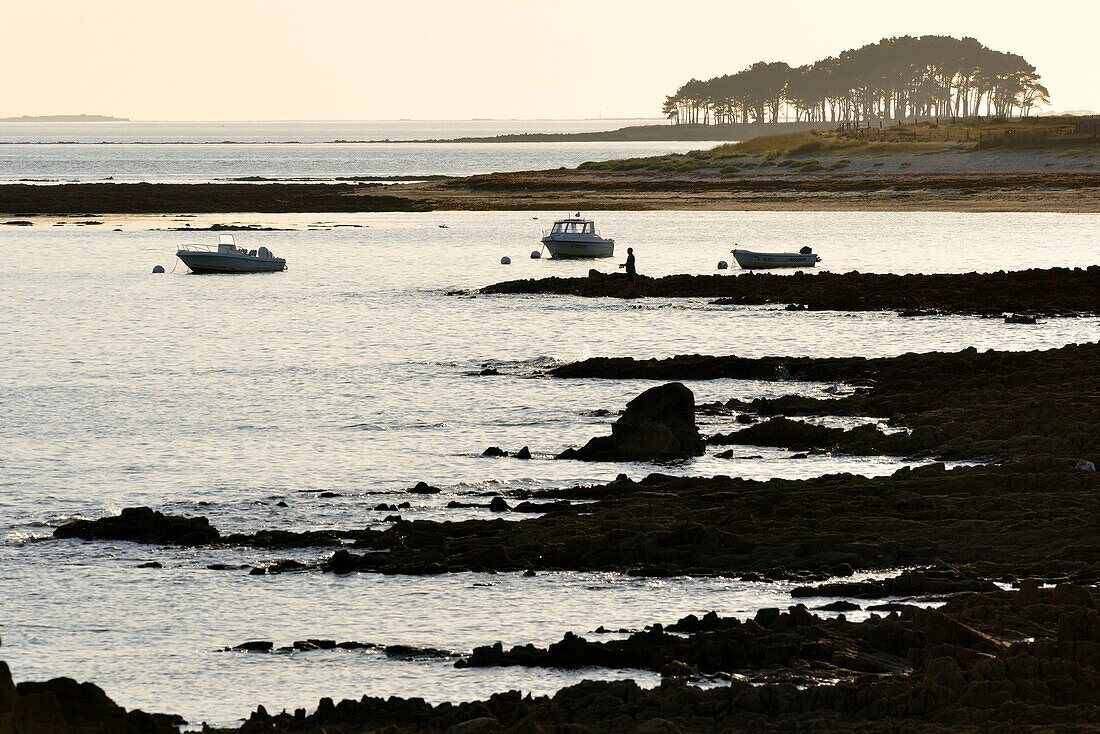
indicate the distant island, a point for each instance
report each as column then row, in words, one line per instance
column 64, row 118
column 635, row 133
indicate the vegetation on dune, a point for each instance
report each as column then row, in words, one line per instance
column 794, row 150
column 896, row 78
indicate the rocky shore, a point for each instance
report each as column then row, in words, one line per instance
column 1024, row 661
column 1020, row 660
column 1053, row 291
column 163, row 198
column 1034, row 412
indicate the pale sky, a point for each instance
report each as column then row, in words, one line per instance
column 449, row 59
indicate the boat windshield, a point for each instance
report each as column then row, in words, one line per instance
column 574, row 227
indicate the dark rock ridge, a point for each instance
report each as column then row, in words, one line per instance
column 163, row 198
column 1026, row 661
column 1053, row 291
column 63, row 706
column 399, row 652
column 1030, row 511
column 658, row 425
column 962, row 405
column 143, row 525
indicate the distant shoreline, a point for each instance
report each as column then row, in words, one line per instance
column 64, row 118
column 634, row 133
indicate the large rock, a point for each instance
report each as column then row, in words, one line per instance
column 63, row 706
column 658, row 425
column 143, row 525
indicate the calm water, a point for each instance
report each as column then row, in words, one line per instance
column 350, row 373
column 314, row 151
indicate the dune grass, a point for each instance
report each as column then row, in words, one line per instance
column 800, row 151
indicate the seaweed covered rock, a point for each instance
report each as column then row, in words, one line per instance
column 658, row 425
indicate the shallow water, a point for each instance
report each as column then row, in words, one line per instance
column 351, row 373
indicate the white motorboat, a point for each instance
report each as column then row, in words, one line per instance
column 576, row 237
column 228, row 258
column 750, row 260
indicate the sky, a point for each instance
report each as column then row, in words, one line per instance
column 454, row 59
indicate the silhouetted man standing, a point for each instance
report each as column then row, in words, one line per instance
column 631, row 271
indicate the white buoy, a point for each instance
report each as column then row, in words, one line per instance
column 536, row 255
column 158, row 268
column 722, row 264
column 505, row 260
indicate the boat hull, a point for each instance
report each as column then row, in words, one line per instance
column 220, row 262
column 570, row 249
column 769, row 260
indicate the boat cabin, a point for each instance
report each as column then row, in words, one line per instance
column 574, row 226
column 226, row 243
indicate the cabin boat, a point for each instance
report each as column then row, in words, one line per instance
column 750, row 260
column 228, row 258
column 576, row 238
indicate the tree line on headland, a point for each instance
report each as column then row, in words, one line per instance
column 894, row 79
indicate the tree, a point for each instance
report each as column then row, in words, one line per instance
column 893, row 79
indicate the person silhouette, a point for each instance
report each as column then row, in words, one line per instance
column 631, row 270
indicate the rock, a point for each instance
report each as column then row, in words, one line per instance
column 341, row 562
column 255, row 646
column 524, row 453
column 143, row 525
column 658, row 425
column 489, row 372
column 494, row 451
column 1019, row 318
column 839, row 606
column 328, row 495
column 151, row 564
column 1084, row 465
column 657, row 726
column 473, row 726
column 423, row 488
column 63, row 706
column 498, row 505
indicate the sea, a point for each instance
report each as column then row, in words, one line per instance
column 336, row 385
column 322, row 152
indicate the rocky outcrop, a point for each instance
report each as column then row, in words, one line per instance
column 1001, row 661
column 167, row 198
column 143, row 525
column 780, row 529
column 658, row 425
column 63, row 706
column 1053, row 291
column 965, row 405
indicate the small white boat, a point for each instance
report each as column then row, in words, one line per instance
column 576, row 237
column 750, row 260
column 228, row 258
